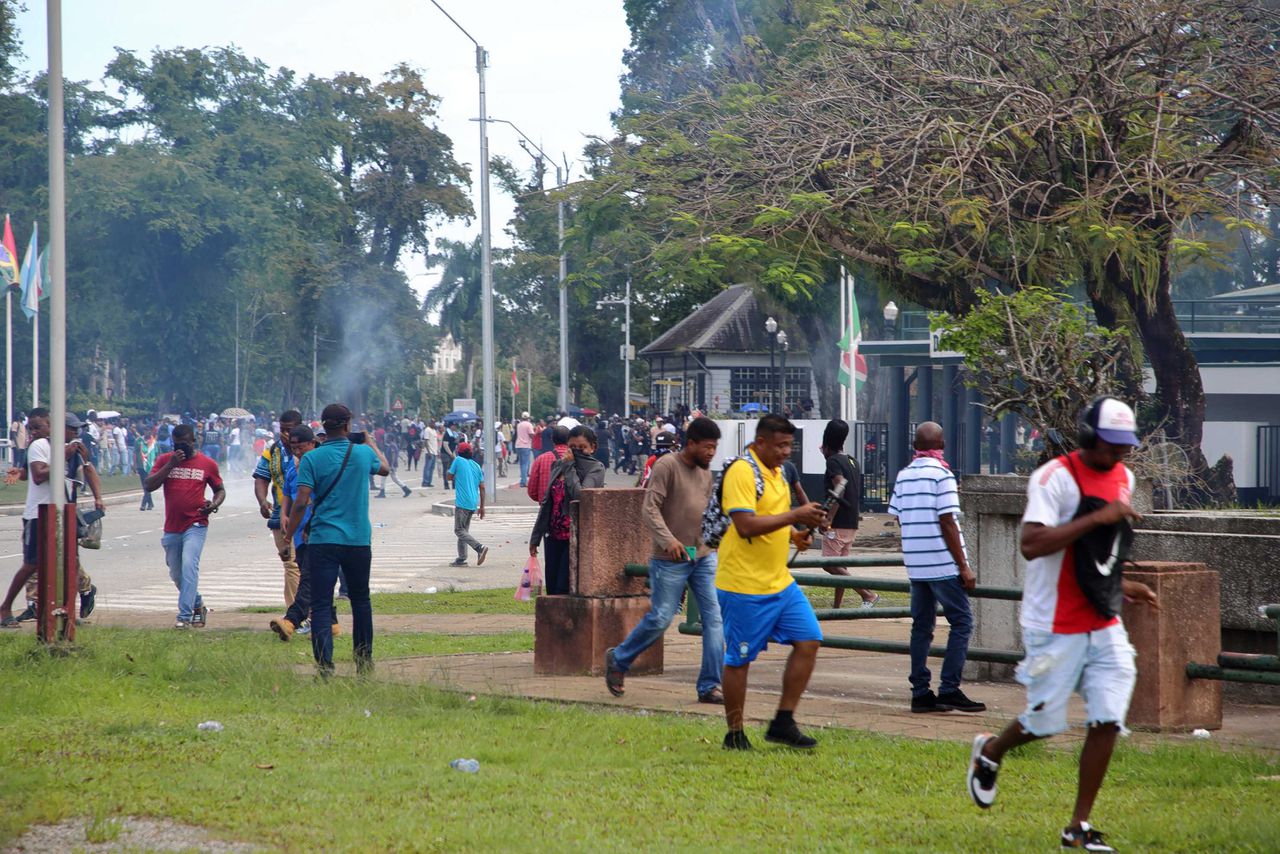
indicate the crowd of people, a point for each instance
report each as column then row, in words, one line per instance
column 725, row 539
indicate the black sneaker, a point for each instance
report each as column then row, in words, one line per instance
column 199, row 617
column 407, row 491
column 736, row 739
column 957, row 701
column 481, row 555
column 29, row 614
column 928, row 703
column 1084, row 838
column 790, row 735
column 981, row 778
column 461, row 562
column 87, row 601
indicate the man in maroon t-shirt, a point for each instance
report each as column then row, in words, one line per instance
column 184, row 474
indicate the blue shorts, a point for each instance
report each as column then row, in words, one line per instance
column 751, row 621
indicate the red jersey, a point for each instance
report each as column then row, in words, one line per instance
column 1052, row 600
column 184, row 491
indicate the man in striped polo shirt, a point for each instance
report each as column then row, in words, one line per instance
column 927, row 505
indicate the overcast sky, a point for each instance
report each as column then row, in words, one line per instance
column 553, row 69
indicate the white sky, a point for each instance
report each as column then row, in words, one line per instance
column 553, row 67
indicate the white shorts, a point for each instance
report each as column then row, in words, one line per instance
column 1099, row 665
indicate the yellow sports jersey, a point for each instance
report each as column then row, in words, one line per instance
column 757, row 566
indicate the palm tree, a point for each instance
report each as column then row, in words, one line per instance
column 457, row 298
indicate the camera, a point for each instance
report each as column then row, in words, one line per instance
column 359, row 437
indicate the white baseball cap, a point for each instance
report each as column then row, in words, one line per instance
column 1116, row 423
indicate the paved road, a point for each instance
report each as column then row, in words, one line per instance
column 411, row 551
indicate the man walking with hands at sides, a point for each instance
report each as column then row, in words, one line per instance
column 430, row 449
column 338, row 535
column 524, row 446
column 927, row 504
column 1077, row 515
column 273, row 467
column 759, row 600
column 677, row 492
column 468, row 500
column 185, row 473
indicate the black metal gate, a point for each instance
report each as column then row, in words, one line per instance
column 1269, row 463
column 870, row 447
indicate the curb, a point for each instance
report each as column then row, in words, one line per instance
column 445, row 508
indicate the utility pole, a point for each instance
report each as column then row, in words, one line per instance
column 625, row 302
column 315, row 342
column 236, row 395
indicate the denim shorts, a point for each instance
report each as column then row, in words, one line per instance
column 751, row 621
column 1099, row 665
column 30, row 527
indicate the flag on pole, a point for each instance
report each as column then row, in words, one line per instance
column 9, row 272
column 32, row 286
column 515, row 382
column 847, row 346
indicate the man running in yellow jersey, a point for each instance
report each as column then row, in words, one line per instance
column 759, row 600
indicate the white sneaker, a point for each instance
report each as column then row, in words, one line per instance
column 867, row 606
column 304, row 629
column 981, row 777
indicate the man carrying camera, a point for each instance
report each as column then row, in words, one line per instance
column 332, row 481
column 185, row 473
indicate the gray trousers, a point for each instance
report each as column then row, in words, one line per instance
column 462, row 530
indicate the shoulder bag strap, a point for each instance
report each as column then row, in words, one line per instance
column 322, row 496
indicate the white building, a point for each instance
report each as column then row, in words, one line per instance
column 447, row 357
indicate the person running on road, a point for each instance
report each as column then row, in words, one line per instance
column 675, row 496
column 185, row 473
column 1073, row 644
column 273, row 467
column 759, row 600
column 391, row 450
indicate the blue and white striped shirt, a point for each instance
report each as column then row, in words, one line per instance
column 924, row 492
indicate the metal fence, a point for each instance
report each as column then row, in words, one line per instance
column 871, row 450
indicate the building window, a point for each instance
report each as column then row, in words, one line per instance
column 760, row 385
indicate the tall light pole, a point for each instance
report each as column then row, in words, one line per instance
column 782, row 374
column 625, row 302
column 561, row 178
column 771, row 326
column 57, row 301
column 486, row 273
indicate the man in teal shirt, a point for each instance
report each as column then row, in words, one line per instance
column 468, row 499
column 333, row 480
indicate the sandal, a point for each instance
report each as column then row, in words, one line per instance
column 613, row 678
column 714, row 697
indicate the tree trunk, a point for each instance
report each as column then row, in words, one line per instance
column 1179, row 389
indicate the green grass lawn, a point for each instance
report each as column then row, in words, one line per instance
column 498, row 600
column 17, row 493
column 362, row 765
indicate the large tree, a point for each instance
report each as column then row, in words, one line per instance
column 956, row 147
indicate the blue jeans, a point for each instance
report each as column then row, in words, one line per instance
column 667, row 580
column 324, row 562
column 925, row 597
column 428, row 468
column 525, row 456
column 182, row 554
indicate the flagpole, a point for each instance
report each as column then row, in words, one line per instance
column 853, row 359
column 8, row 361
column 844, row 320
column 35, row 358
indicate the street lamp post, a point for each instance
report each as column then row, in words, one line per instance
column 782, row 374
column 486, row 273
column 238, row 391
column 561, row 178
column 625, row 302
column 771, row 326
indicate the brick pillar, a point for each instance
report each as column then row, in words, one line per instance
column 571, row 633
column 1186, row 628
